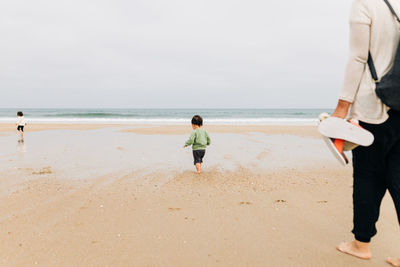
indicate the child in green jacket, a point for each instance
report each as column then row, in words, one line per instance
column 199, row 140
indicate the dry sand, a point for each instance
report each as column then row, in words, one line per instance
column 290, row 215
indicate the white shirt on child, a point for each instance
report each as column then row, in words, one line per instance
column 21, row 121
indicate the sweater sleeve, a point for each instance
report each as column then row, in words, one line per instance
column 208, row 139
column 190, row 141
column 356, row 65
column 360, row 12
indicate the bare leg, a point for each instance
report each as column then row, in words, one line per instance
column 356, row 248
column 22, row 135
column 198, row 168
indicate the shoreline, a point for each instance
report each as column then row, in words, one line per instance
column 34, row 127
column 157, row 129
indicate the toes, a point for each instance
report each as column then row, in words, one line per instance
column 393, row 262
column 342, row 247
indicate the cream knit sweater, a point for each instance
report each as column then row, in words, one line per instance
column 372, row 28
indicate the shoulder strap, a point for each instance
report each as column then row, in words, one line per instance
column 392, row 10
column 372, row 67
column 370, row 61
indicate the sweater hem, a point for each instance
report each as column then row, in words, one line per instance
column 371, row 121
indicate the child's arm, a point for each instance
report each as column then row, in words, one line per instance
column 190, row 141
column 208, row 139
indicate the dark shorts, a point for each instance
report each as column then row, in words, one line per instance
column 198, row 156
column 20, row 128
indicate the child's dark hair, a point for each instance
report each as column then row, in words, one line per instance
column 20, row 114
column 197, row 120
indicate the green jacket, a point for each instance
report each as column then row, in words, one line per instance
column 199, row 139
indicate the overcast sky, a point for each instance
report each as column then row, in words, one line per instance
column 172, row 53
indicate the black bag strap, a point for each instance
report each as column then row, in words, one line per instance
column 370, row 61
column 392, row 10
column 372, row 67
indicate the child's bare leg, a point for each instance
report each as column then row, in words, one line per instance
column 356, row 248
column 394, row 262
column 198, row 168
column 22, row 135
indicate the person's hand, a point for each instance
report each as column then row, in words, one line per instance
column 184, row 146
column 342, row 109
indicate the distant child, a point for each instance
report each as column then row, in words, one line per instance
column 199, row 140
column 21, row 124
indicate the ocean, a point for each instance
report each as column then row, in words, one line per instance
column 166, row 116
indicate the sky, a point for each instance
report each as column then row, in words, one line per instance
column 172, row 54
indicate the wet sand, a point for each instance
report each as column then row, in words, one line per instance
column 305, row 131
column 112, row 196
column 7, row 127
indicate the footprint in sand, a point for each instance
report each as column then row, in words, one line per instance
column 45, row 170
column 245, row 203
column 322, row 201
column 228, row 157
column 262, row 155
column 280, row 201
column 174, row 209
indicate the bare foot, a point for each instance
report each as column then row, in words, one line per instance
column 393, row 262
column 198, row 168
column 356, row 248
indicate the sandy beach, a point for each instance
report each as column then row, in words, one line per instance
column 127, row 195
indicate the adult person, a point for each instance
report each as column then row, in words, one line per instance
column 374, row 29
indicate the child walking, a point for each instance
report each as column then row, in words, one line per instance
column 199, row 140
column 20, row 125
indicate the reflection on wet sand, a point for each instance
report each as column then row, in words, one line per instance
column 21, row 146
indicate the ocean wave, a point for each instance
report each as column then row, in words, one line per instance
column 91, row 115
column 227, row 121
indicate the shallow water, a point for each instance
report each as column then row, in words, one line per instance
column 76, row 154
